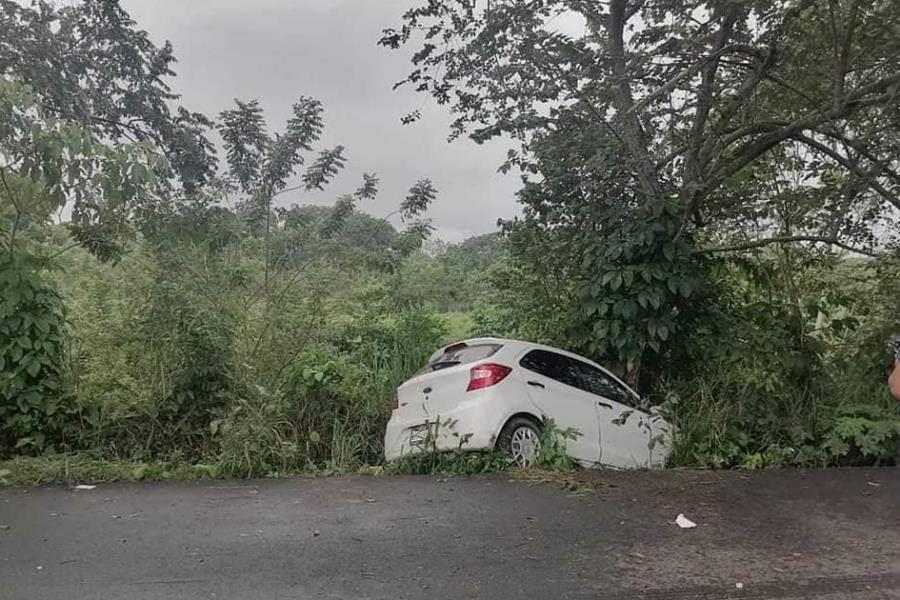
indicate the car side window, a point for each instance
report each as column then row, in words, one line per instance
column 555, row 366
column 595, row 381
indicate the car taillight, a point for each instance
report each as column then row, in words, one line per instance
column 487, row 375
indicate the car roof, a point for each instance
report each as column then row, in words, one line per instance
column 519, row 345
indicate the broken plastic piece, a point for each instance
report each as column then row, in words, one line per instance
column 85, row 487
column 683, row 522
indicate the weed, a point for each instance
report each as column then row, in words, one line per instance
column 552, row 455
column 430, row 460
column 71, row 469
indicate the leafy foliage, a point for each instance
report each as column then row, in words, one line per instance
column 49, row 163
column 694, row 93
column 668, row 133
column 686, row 184
column 33, row 402
column 88, row 63
column 552, row 455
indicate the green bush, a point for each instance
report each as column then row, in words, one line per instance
column 181, row 355
column 766, row 380
column 33, row 403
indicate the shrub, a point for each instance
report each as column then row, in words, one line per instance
column 33, row 403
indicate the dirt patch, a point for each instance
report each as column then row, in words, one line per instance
column 783, row 534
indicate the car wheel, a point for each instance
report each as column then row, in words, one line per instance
column 521, row 438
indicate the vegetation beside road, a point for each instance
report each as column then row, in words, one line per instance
column 193, row 319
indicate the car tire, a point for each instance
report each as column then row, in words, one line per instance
column 520, row 438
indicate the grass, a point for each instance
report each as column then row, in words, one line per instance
column 451, row 463
column 71, row 469
column 74, row 469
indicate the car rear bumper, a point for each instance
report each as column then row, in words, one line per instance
column 473, row 425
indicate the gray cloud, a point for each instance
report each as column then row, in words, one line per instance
column 276, row 50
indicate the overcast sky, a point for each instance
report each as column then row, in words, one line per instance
column 277, row 50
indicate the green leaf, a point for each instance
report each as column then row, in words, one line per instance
column 615, row 281
column 669, row 251
column 663, row 332
column 33, row 368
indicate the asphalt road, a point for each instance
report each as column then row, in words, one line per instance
column 817, row 534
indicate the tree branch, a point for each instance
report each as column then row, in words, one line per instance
column 788, row 239
column 664, row 161
column 705, row 94
column 850, row 166
column 861, row 149
column 842, row 57
column 14, row 200
column 756, row 148
column 670, row 85
column 633, row 134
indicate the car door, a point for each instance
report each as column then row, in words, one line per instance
column 625, row 430
column 552, row 383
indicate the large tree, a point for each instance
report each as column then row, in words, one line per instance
column 669, row 130
column 695, row 92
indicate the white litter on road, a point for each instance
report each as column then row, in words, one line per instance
column 85, row 487
column 683, row 522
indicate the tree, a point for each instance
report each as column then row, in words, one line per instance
column 693, row 91
column 261, row 166
column 45, row 163
column 672, row 130
column 475, row 253
column 87, row 63
column 360, row 231
column 87, row 125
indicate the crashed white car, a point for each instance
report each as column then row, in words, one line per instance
column 490, row 393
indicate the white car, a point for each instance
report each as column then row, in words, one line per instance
column 490, row 393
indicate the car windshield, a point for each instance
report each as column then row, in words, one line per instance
column 459, row 354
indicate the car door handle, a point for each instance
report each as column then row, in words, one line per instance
column 426, row 390
column 605, row 405
column 536, row 384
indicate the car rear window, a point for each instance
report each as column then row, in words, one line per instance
column 459, row 354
